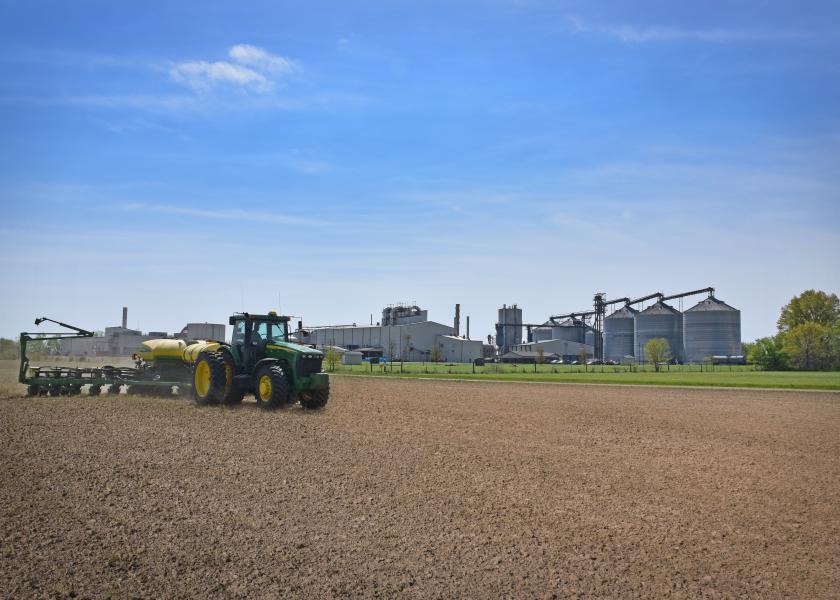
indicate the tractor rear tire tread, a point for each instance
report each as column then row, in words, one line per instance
column 230, row 394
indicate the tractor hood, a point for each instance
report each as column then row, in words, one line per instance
column 293, row 347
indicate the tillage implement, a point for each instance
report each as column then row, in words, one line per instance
column 259, row 360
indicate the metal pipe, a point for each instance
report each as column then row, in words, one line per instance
column 583, row 313
column 709, row 290
column 645, row 298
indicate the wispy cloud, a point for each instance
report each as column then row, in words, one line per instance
column 260, row 59
column 234, row 214
column 201, row 76
column 252, row 69
column 633, row 34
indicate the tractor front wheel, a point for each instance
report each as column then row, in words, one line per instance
column 315, row 400
column 272, row 387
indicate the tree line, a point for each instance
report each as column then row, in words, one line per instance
column 807, row 338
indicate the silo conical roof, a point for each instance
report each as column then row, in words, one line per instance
column 710, row 303
column 625, row 312
column 660, row 308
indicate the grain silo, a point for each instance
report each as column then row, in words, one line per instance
column 542, row 334
column 712, row 328
column 619, row 334
column 589, row 336
column 509, row 327
column 659, row 321
column 571, row 330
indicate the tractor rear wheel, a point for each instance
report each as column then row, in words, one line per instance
column 231, row 394
column 32, row 390
column 272, row 387
column 208, row 378
column 315, row 399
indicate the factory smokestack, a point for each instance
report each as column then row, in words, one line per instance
column 457, row 320
column 468, row 327
column 125, row 317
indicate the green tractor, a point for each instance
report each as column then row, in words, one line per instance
column 260, row 361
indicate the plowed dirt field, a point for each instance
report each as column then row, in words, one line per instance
column 425, row 489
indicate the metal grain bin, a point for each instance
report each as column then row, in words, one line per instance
column 712, row 328
column 570, row 330
column 589, row 337
column 659, row 321
column 542, row 334
column 619, row 334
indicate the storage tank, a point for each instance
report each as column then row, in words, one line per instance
column 619, row 334
column 542, row 334
column 659, row 321
column 509, row 327
column 569, row 330
column 712, row 328
column 589, row 337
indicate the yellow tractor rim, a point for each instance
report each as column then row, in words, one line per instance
column 202, row 378
column 265, row 388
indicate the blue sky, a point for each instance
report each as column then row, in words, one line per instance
column 192, row 159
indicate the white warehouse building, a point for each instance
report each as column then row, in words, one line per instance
column 405, row 334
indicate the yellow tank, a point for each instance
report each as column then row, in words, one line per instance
column 151, row 350
column 190, row 353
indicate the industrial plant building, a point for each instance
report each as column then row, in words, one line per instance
column 404, row 333
column 122, row 341
column 615, row 331
column 710, row 329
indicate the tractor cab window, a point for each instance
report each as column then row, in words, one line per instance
column 238, row 337
column 260, row 333
column 266, row 331
column 278, row 332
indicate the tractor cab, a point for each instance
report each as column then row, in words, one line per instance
column 252, row 333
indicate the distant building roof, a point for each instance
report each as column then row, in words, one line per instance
column 527, row 354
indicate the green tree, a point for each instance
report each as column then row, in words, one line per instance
column 833, row 336
column 810, row 306
column 657, row 351
column 333, row 356
column 769, row 354
column 435, row 355
column 808, row 346
column 540, row 355
column 747, row 348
